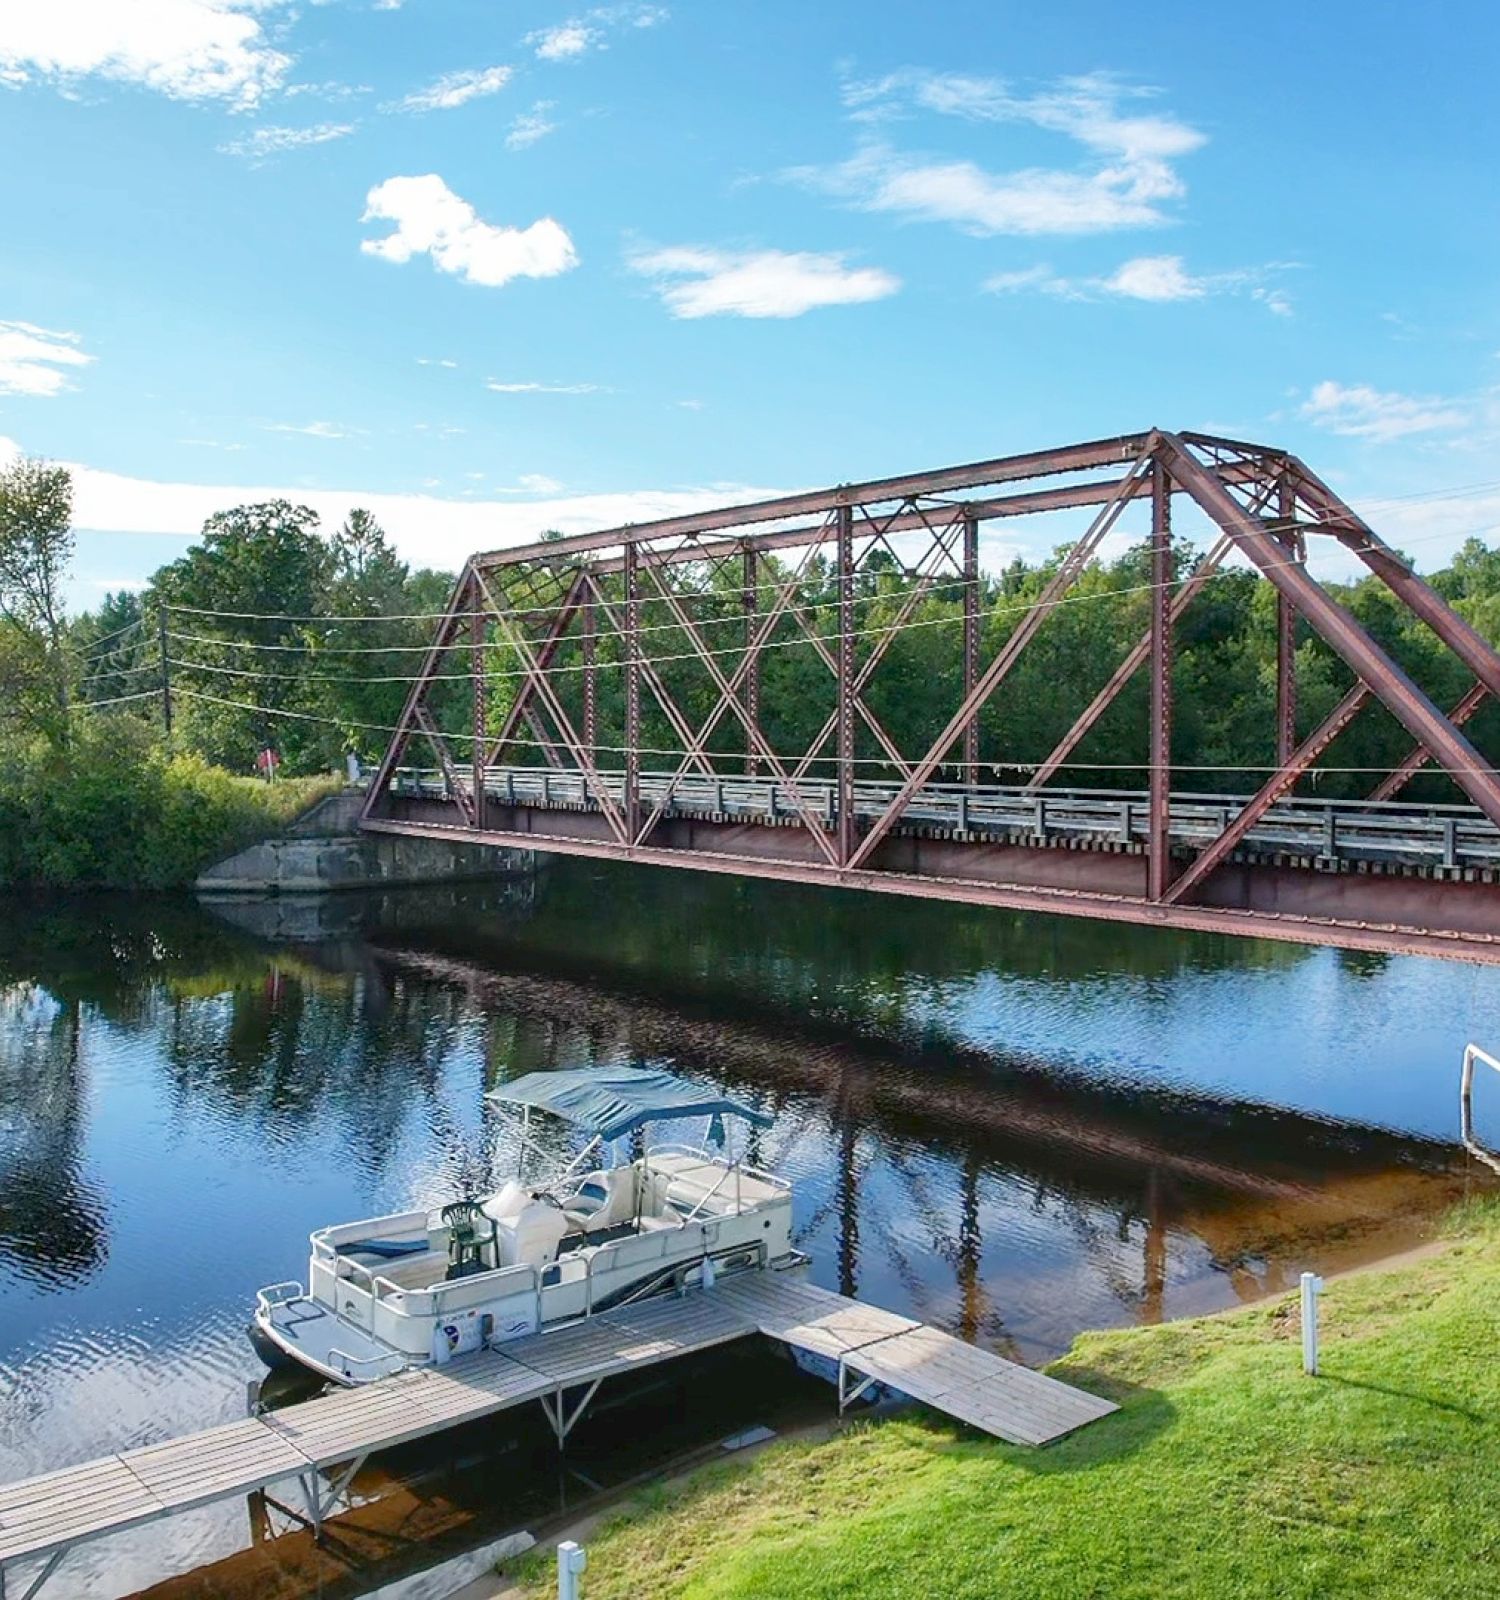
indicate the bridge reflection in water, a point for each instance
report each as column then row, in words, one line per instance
column 1014, row 1127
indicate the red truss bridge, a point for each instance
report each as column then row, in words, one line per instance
column 601, row 695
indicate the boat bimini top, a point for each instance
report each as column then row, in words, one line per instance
column 612, row 1101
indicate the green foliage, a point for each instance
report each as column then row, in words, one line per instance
column 1227, row 1473
column 111, row 810
column 36, row 544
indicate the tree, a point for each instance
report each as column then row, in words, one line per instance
column 242, row 601
column 36, row 545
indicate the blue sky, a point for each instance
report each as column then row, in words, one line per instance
column 491, row 266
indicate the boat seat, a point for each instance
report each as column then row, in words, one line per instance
column 603, row 1200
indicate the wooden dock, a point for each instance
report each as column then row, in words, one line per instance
column 323, row 1442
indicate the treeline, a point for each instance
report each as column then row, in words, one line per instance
column 315, row 637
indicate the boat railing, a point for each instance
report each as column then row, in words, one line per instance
column 388, row 1363
column 1474, row 1056
column 749, row 1171
column 277, row 1294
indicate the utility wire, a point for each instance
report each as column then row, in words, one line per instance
column 864, row 761
column 500, row 674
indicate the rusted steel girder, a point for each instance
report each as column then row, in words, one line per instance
column 377, row 794
column 1128, row 668
column 481, row 702
column 1356, row 535
column 1003, row 469
column 1286, row 632
column 520, row 707
column 1062, row 580
column 1159, row 845
column 1396, row 691
column 557, row 599
column 971, row 641
column 1388, row 788
column 1302, row 759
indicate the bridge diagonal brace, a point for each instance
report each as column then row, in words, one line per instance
column 1302, row 758
column 1358, row 537
column 505, row 619
column 521, row 709
column 1419, row 755
column 434, row 737
column 664, row 698
column 406, row 723
column 727, row 690
column 1341, row 630
column 1140, row 653
column 321, row 1501
column 943, row 546
column 1062, row 580
column 729, row 696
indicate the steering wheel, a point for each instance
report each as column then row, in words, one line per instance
column 547, row 1197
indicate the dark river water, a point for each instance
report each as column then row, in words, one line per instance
column 1013, row 1127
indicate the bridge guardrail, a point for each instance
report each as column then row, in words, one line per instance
column 1450, row 837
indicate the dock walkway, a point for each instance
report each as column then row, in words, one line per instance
column 324, row 1442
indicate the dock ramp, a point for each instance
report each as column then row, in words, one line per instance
column 322, row 1443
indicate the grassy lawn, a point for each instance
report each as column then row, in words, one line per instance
column 1227, row 1473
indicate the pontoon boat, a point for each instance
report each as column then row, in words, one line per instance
column 420, row 1287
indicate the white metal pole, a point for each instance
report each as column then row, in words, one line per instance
column 1312, row 1287
column 572, row 1558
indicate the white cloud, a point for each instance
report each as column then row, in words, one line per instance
column 564, row 42
column 697, row 282
column 1126, row 183
column 543, row 388
column 186, row 49
column 312, row 430
column 539, row 483
column 425, row 528
column 36, row 361
column 530, row 126
column 1034, row 201
column 211, row 444
column 270, row 141
column 1085, row 108
column 1157, row 279
column 435, row 361
column 455, row 89
column 431, row 220
column 1359, row 411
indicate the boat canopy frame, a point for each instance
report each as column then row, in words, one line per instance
column 610, row 1102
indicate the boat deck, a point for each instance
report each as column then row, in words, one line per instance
column 42, row 1518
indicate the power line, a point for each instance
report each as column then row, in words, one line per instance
column 500, row 674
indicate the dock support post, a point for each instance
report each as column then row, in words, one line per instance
column 572, row 1559
column 1312, row 1287
column 320, row 1504
column 49, row 1567
column 563, row 1422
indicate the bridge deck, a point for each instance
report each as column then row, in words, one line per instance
column 1438, row 838
column 44, row 1517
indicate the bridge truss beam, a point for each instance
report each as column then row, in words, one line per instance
column 689, row 609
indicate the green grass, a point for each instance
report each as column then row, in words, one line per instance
column 1226, row 1473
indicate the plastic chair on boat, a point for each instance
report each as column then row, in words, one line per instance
column 463, row 1220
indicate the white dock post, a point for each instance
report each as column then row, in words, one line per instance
column 1312, row 1287
column 572, row 1558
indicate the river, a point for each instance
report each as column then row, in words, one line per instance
column 1013, row 1127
